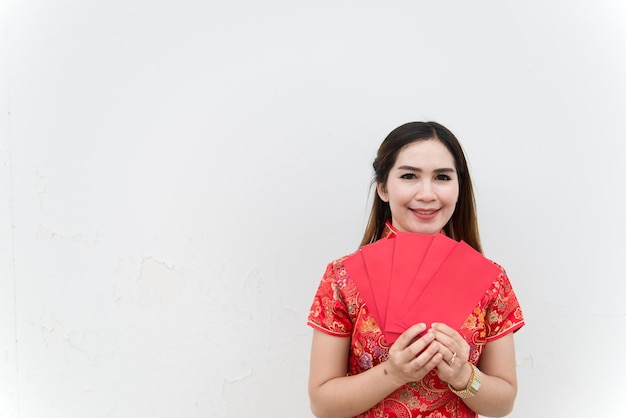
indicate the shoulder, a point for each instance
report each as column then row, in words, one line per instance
column 336, row 301
column 502, row 283
column 337, row 269
column 335, row 280
column 504, row 313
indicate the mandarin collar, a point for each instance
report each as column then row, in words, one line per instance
column 389, row 231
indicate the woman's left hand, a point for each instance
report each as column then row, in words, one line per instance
column 455, row 351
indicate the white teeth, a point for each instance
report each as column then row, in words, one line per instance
column 425, row 212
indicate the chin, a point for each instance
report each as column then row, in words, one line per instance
column 425, row 231
column 428, row 230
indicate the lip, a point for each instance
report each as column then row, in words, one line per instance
column 425, row 214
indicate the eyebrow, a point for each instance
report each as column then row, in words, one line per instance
column 439, row 170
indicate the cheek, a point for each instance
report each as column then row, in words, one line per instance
column 452, row 197
column 396, row 194
column 455, row 193
column 448, row 192
column 404, row 195
column 455, row 196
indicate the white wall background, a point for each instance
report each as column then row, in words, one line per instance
column 175, row 175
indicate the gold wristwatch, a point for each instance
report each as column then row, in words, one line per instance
column 472, row 385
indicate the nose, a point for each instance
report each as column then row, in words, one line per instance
column 425, row 191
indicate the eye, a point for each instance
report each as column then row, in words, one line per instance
column 443, row 177
column 408, row 176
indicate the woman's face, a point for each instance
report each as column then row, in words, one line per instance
column 422, row 188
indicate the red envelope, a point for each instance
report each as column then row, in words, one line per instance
column 364, row 274
column 455, row 289
column 378, row 262
column 436, row 255
column 413, row 278
column 409, row 252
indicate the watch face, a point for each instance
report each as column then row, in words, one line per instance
column 476, row 382
column 475, row 386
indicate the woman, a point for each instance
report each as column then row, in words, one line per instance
column 432, row 370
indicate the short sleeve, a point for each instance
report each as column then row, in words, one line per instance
column 504, row 314
column 329, row 311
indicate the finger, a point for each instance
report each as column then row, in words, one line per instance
column 409, row 336
column 432, row 363
column 420, row 344
column 428, row 358
column 447, row 336
column 451, row 358
column 449, row 355
column 447, row 349
column 442, row 328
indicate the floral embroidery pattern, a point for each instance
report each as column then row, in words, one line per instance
column 339, row 310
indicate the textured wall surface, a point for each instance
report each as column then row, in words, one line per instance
column 175, row 175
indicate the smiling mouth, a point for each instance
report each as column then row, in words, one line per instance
column 425, row 211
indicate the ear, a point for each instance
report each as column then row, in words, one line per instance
column 381, row 189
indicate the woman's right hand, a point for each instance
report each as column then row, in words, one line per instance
column 411, row 357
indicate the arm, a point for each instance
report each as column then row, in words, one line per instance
column 334, row 394
column 497, row 362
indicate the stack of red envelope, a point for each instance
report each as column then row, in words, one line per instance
column 411, row 278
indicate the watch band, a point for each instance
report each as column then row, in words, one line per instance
column 472, row 385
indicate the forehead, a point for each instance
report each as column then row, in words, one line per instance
column 424, row 154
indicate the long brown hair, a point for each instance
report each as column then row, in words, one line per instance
column 463, row 225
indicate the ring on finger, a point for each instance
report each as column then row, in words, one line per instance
column 451, row 362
